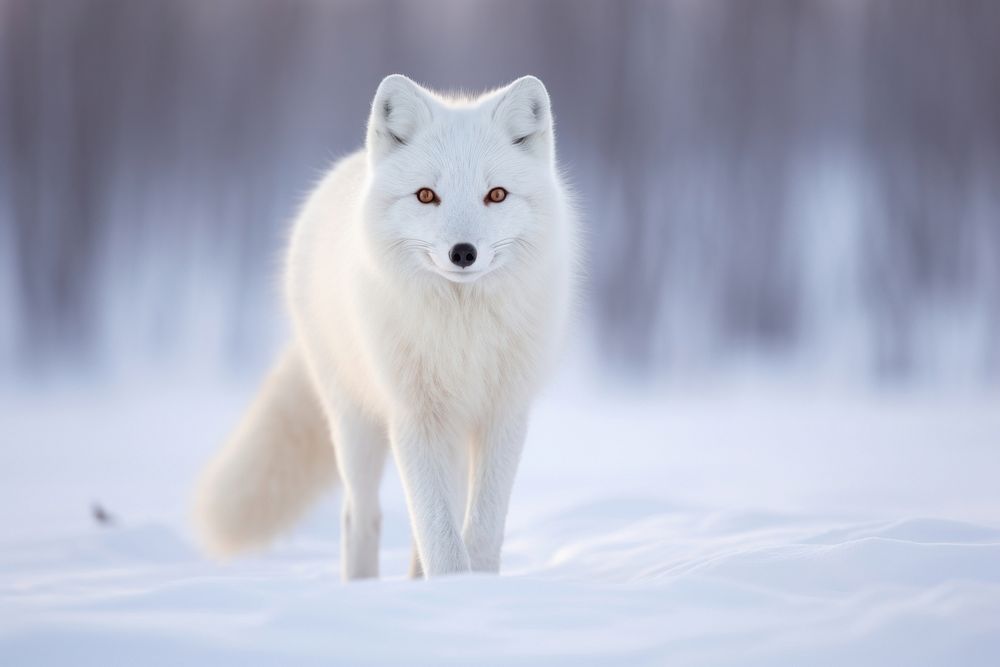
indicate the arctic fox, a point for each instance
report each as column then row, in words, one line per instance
column 430, row 276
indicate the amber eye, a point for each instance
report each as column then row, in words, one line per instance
column 496, row 195
column 426, row 196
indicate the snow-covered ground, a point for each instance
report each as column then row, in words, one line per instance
column 750, row 525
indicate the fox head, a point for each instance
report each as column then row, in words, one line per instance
column 459, row 189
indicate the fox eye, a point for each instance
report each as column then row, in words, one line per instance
column 495, row 196
column 427, row 196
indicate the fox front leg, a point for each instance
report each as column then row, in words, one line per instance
column 429, row 468
column 495, row 456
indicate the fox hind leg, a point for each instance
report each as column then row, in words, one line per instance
column 361, row 446
column 416, row 568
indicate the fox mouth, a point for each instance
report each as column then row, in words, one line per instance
column 456, row 275
column 461, row 275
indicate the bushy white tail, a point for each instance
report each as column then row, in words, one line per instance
column 278, row 461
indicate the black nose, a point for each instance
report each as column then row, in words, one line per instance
column 463, row 254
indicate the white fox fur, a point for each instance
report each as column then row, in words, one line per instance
column 402, row 349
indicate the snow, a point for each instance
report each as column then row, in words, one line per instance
column 749, row 524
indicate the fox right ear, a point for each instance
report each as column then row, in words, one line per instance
column 400, row 109
column 523, row 110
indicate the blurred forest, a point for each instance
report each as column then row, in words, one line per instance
column 812, row 183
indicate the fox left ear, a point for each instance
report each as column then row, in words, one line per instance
column 400, row 110
column 524, row 111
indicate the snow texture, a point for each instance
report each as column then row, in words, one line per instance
column 763, row 527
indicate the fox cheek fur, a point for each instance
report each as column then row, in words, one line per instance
column 430, row 278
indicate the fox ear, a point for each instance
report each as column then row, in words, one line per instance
column 522, row 109
column 400, row 109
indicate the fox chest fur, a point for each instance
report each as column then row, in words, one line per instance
column 453, row 353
